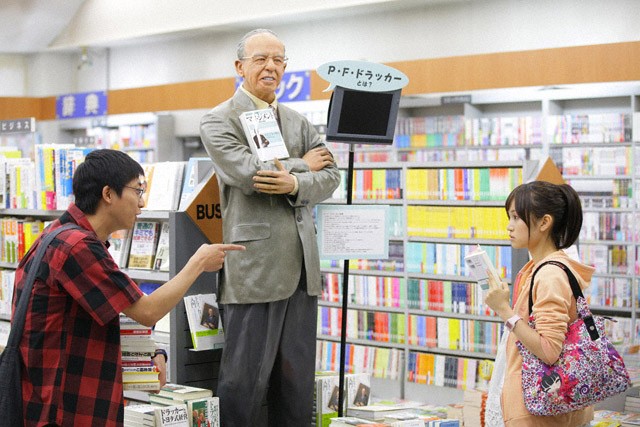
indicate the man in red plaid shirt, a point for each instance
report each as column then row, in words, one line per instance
column 72, row 373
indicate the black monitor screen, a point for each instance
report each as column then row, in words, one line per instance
column 359, row 116
column 365, row 113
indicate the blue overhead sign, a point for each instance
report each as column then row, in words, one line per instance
column 79, row 105
column 295, row 86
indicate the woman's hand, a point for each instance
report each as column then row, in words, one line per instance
column 497, row 297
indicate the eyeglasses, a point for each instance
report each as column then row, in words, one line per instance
column 138, row 190
column 278, row 61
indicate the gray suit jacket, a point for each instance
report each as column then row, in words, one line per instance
column 277, row 230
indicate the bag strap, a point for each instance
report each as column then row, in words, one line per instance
column 577, row 293
column 19, row 317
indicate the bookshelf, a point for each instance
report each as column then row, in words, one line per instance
column 192, row 231
column 147, row 137
column 590, row 131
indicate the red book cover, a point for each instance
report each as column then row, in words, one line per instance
column 20, row 239
column 432, row 332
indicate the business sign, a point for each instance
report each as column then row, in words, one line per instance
column 80, row 105
column 294, row 86
column 18, row 125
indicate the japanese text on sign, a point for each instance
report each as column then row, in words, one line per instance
column 346, row 232
column 362, row 75
column 18, row 125
column 76, row 105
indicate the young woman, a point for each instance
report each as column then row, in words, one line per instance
column 545, row 219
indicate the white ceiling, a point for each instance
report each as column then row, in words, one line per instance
column 30, row 26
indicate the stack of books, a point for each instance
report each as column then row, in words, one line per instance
column 474, row 402
column 632, row 404
column 200, row 403
column 137, row 345
column 140, row 415
column 326, row 398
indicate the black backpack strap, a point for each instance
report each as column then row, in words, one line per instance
column 577, row 293
column 19, row 317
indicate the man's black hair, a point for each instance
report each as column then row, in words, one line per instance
column 102, row 167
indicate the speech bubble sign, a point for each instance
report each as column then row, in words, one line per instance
column 362, row 75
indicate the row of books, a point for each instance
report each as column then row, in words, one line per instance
column 450, row 131
column 16, row 237
column 613, row 192
column 593, row 161
column 447, row 371
column 420, row 294
column 371, row 184
column 610, row 292
column 145, row 247
column 467, row 154
column 356, row 393
column 457, row 222
column 124, row 136
column 448, row 258
column 395, row 262
column 453, row 334
column 365, row 325
column 589, row 128
column 608, row 226
column 446, row 296
column 504, row 131
column 45, row 183
column 401, row 413
column 461, row 183
column 611, row 259
column 376, row 291
column 175, row 405
column 378, row 362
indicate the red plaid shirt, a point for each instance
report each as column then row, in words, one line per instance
column 72, row 365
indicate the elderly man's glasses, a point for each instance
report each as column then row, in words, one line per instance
column 278, row 61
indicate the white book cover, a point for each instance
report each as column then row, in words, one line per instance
column 172, row 416
column 326, row 398
column 205, row 326
column 119, row 242
column 263, row 134
column 196, row 170
column 164, row 186
column 204, row 412
column 162, row 252
column 358, row 389
column 479, row 266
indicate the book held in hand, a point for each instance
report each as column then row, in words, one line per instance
column 263, row 134
column 480, row 266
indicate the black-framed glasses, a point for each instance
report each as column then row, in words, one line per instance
column 138, row 190
column 278, row 61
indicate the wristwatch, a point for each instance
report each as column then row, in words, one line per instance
column 511, row 322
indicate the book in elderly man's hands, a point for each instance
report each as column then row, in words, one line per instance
column 263, row 134
column 480, row 266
